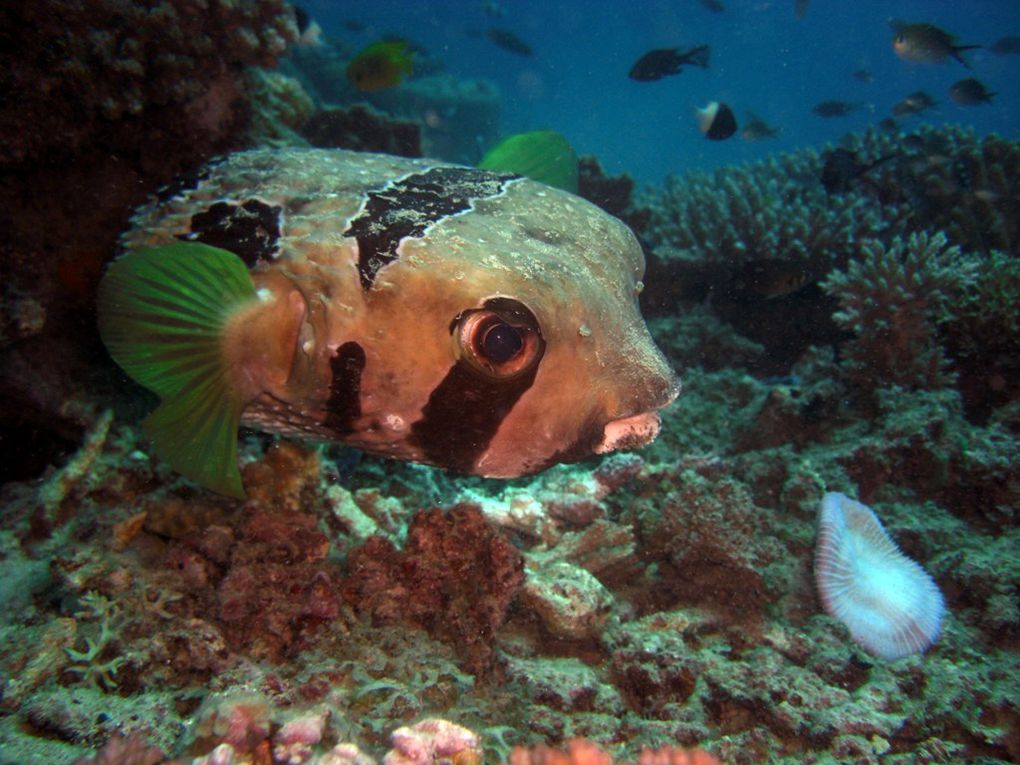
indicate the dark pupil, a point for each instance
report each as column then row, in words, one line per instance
column 501, row 343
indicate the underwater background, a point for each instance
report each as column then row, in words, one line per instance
column 837, row 288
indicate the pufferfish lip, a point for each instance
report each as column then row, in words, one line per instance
column 629, row 432
column 636, row 430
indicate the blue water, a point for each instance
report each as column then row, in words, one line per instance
column 764, row 60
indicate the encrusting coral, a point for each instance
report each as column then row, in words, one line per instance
column 100, row 71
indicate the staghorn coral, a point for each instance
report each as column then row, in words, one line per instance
column 758, row 239
column 947, row 179
column 981, row 333
column 706, row 227
column 892, row 299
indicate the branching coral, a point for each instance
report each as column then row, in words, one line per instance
column 706, row 227
column 947, row 179
column 981, row 333
column 756, row 239
column 89, row 663
column 892, row 299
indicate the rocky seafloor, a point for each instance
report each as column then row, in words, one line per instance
column 662, row 597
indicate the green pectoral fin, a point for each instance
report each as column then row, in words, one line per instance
column 195, row 430
column 542, row 155
column 162, row 312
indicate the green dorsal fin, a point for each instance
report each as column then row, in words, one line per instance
column 162, row 312
column 542, row 155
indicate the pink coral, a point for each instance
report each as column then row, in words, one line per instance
column 434, row 741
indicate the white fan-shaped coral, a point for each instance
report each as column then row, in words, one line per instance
column 889, row 603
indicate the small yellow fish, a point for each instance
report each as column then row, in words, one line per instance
column 381, row 65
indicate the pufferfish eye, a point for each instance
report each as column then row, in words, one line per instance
column 501, row 339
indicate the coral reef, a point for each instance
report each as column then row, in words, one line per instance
column 362, row 128
column 892, row 299
column 110, row 72
column 459, row 118
column 356, row 611
column 278, row 108
column 103, row 103
column 900, row 259
column 455, row 576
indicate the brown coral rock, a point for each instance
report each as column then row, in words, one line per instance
column 455, row 576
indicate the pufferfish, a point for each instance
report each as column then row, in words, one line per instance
column 473, row 320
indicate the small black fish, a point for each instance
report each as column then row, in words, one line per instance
column 970, row 92
column 508, row 41
column 915, row 103
column 864, row 75
column 842, row 167
column 836, row 108
column 662, row 62
column 800, row 8
column 757, row 129
column 1006, row 45
column 309, row 31
column 717, row 122
column 926, row 43
column 771, row 279
column 715, row 6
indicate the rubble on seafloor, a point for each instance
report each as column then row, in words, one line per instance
column 638, row 600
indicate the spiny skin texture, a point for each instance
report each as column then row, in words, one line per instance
column 368, row 265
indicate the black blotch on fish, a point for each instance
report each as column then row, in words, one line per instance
column 187, row 181
column 250, row 230
column 1006, row 45
column 465, row 410
column 508, row 41
column 343, row 407
column 836, row 108
column 842, row 168
column 970, row 92
column 662, row 62
column 412, row 204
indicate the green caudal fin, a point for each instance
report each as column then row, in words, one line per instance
column 162, row 312
column 542, row 155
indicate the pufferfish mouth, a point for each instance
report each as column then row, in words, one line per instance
column 629, row 432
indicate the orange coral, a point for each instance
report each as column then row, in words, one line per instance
column 582, row 752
